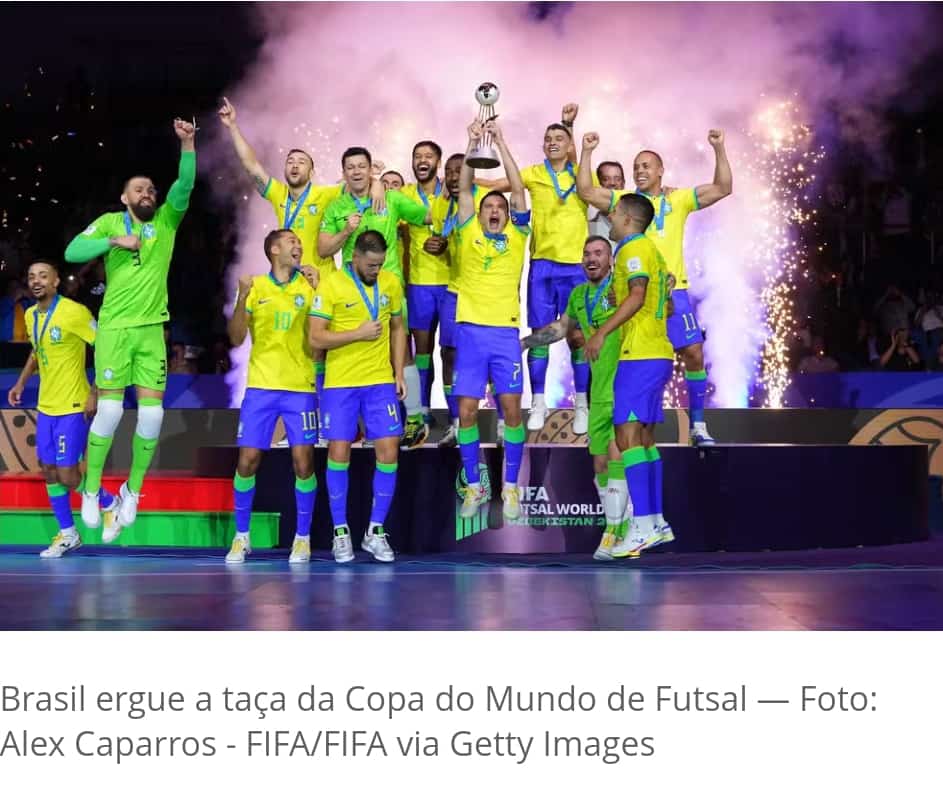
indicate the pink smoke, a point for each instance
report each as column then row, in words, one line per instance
column 645, row 75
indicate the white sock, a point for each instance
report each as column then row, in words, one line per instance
column 413, row 399
column 699, row 426
column 69, row 532
column 601, row 491
column 242, row 536
column 580, row 401
column 303, row 537
column 614, row 504
column 538, row 401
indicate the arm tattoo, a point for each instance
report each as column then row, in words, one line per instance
column 545, row 336
column 260, row 184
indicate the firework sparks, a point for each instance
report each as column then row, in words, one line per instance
column 786, row 158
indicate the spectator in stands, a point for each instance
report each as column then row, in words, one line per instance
column 13, row 306
column 900, row 354
column 929, row 320
column 893, row 310
column 818, row 362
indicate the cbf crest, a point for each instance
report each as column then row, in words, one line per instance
column 299, row 301
column 55, row 334
column 384, row 300
column 149, row 232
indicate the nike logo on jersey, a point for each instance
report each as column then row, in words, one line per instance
column 263, row 301
column 349, row 305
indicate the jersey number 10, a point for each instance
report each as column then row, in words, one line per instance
column 282, row 320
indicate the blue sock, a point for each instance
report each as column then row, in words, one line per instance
column 697, row 392
column 656, row 472
column 580, row 371
column 243, row 494
column 451, row 401
column 337, row 483
column 513, row 451
column 469, row 441
column 59, row 500
column 538, row 359
column 424, row 367
column 384, row 485
column 305, row 491
column 637, row 476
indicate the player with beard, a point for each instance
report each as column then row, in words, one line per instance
column 298, row 202
column 58, row 330
column 559, row 232
column 672, row 208
column 352, row 214
column 590, row 305
column 137, row 245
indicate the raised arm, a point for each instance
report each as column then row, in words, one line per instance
column 238, row 325
column 722, row 186
column 518, row 203
column 597, row 196
column 260, row 177
column 568, row 118
column 178, row 197
column 466, row 198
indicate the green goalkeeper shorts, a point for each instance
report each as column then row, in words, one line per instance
column 601, row 431
column 131, row 356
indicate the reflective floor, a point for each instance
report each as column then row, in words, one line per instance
column 898, row 587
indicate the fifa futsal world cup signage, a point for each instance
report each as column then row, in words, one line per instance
column 560, row 509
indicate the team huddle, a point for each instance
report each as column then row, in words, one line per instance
column 344, row 352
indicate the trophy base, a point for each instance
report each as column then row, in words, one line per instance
column 482, row 161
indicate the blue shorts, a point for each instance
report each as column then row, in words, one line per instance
column 261, row 408
column 377, row 405
column 60, row 439
column 549, row 285
column 639, row 389
column 683, row 329
column 447, row 319
column 483, row 352
column 424, row 302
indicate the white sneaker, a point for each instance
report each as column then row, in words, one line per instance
column 664, row 531
column 499, row 439
column 378, row 545
column 580, row 420
column 239, row 550
column 282, row 443
column 300, row 550
column 475, row 497
column 512, row 502
column 450, row 438
column 343, row 548
column 698, row 436
column 603, row 551
column 61, row 544
column 91, row 515
column 128, row 507
column 538, row 413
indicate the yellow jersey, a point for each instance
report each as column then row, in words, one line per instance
column 280, row 358
column 425, row 269
column 560, row 230
column 444, row 222
column 667, row 228
column 489, row 289
column 304, row 216
column 59, row 337
column 645, row 335
column 343, row 300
